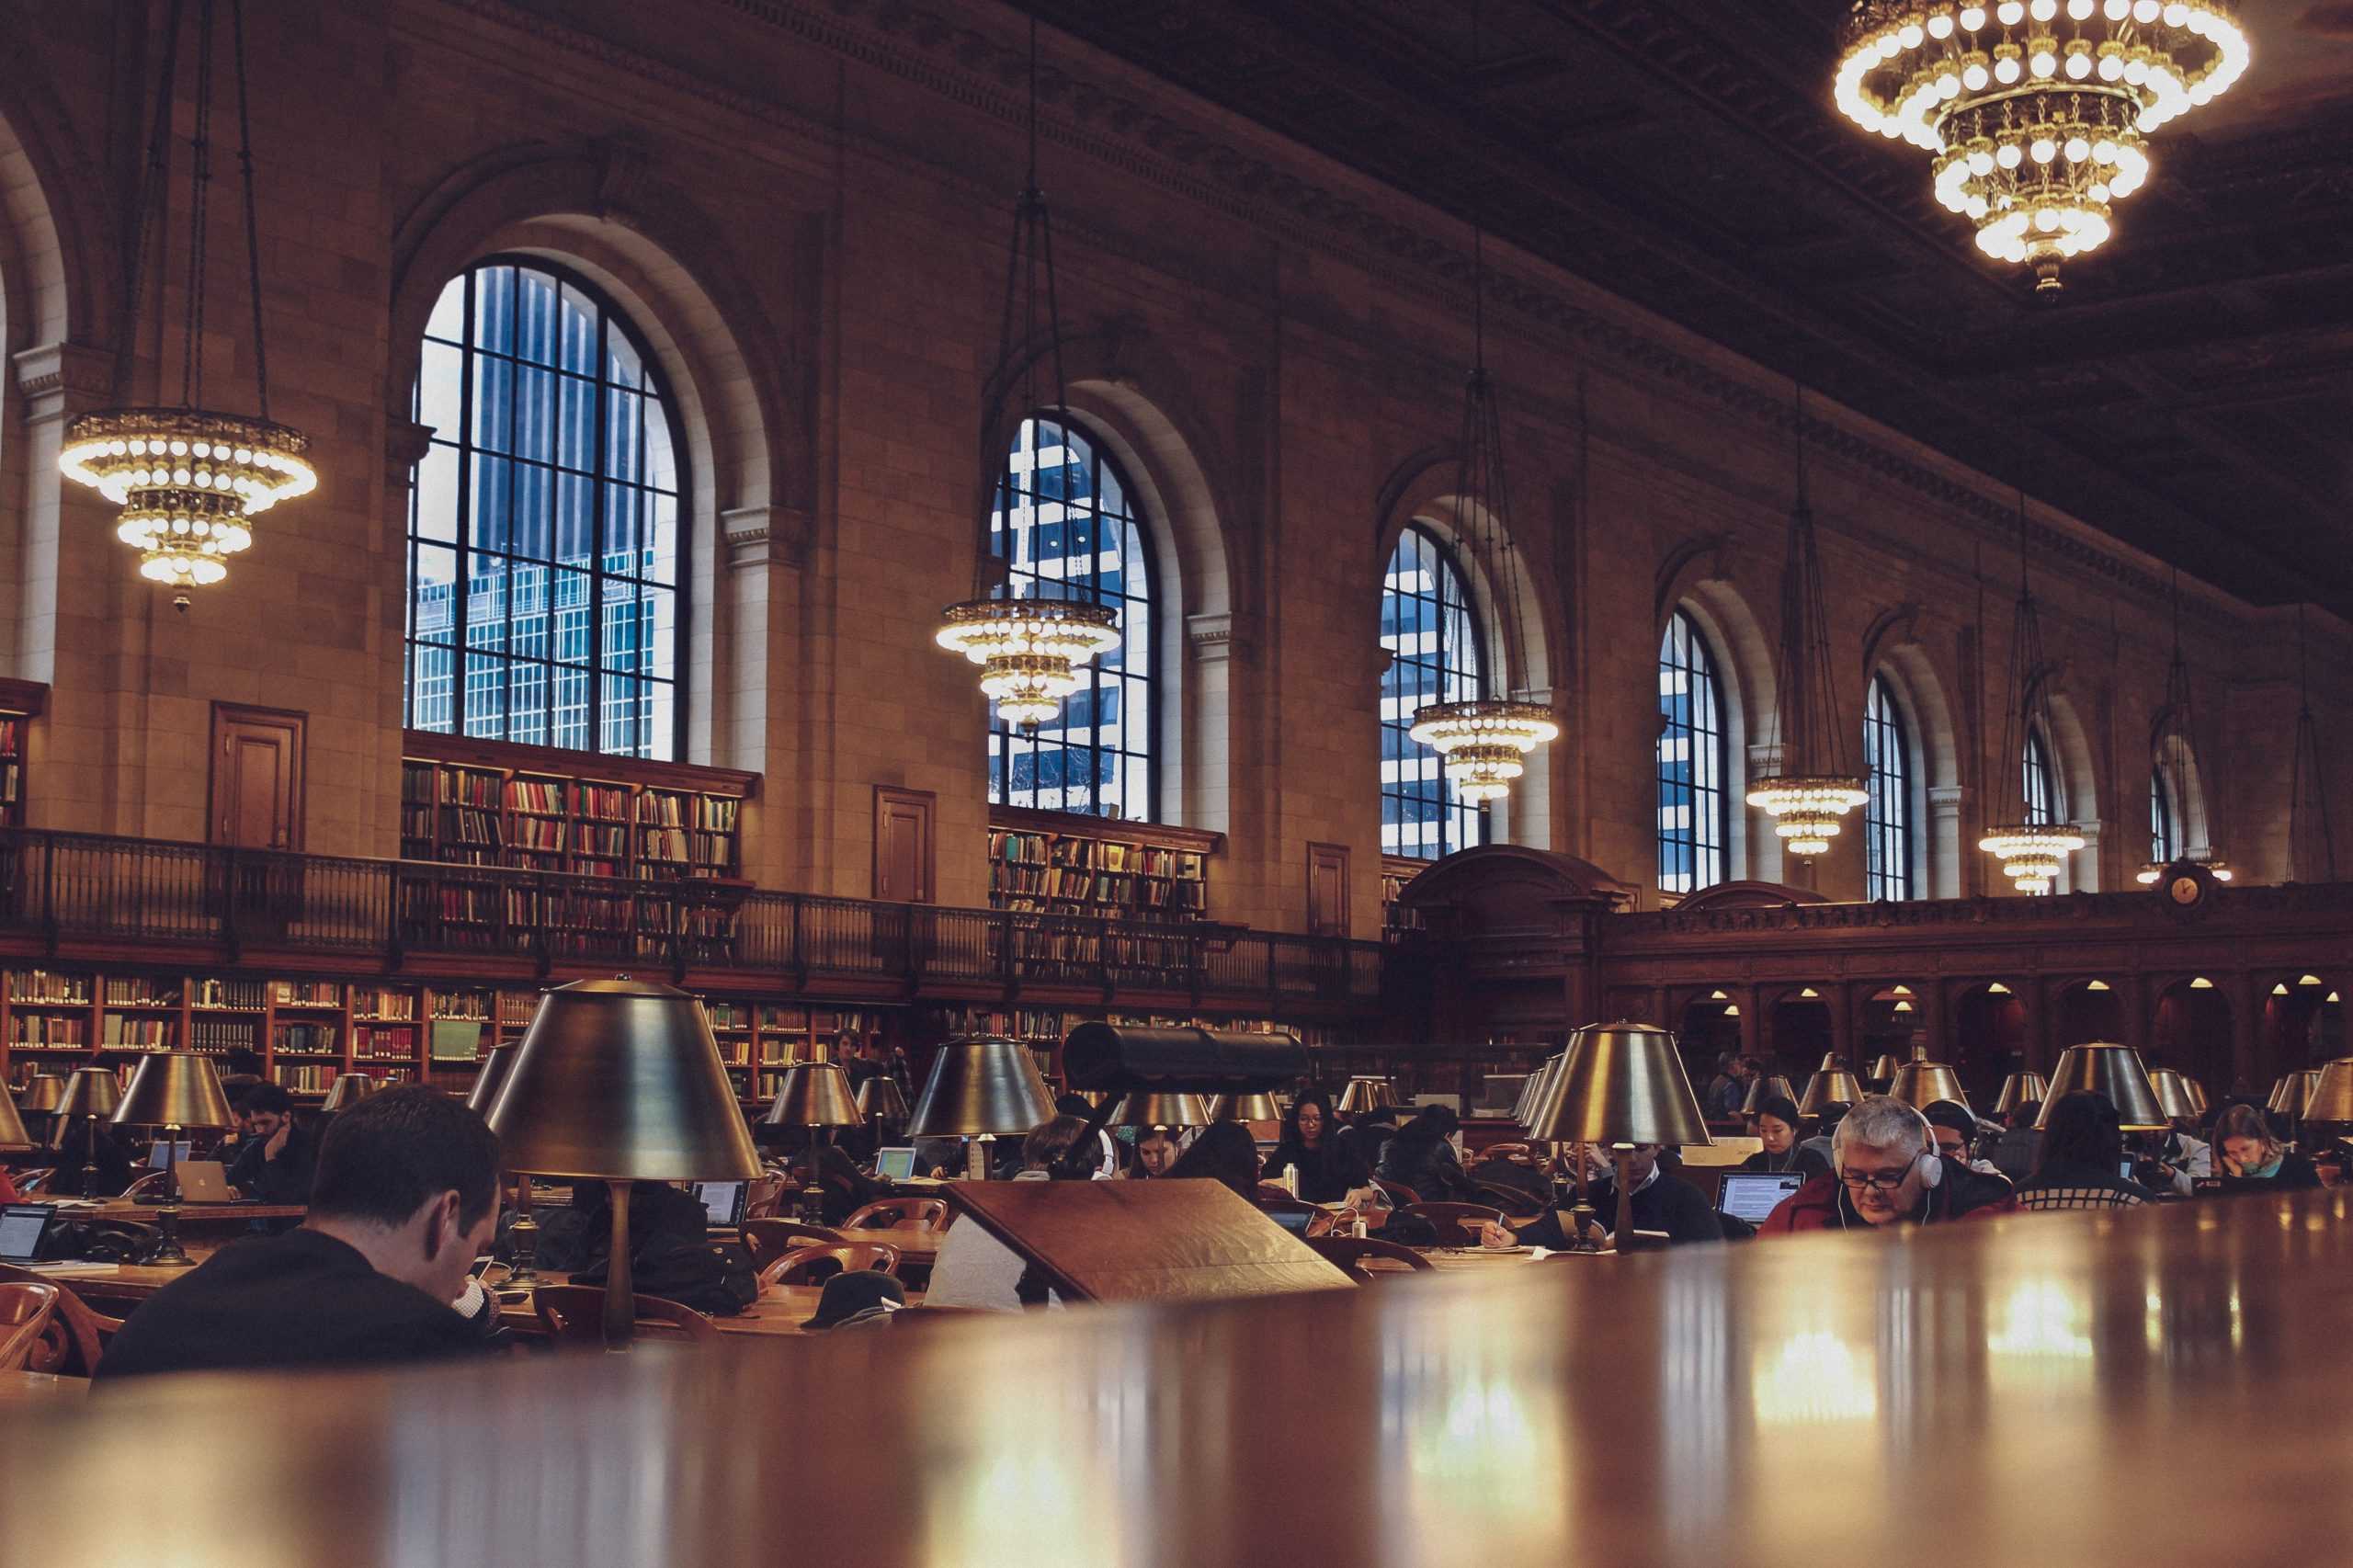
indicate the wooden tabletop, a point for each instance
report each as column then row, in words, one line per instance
column 2038, row 1387
column 38, row 1388
column 782, row 1310
column 191, row 1213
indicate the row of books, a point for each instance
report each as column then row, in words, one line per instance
column 44, row 987
column 1094, row 854
column 307, row 994
column 460, row 1005
column 142, row 990
column 544, row 797
column 316, row 1040
column 666, row 808
column 146, row 1034
column 383, row 1002
column 219, row 1036
column 375, row 1043
column 241, row 995
column 43, row 1029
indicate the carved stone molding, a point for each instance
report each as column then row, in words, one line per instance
column 60, row 379
column 765, row 536
column 406, row 443
column 1212, row 638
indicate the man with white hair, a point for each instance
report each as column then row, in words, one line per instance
column 1885, row 1171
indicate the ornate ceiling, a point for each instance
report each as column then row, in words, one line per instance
column 2191, row 392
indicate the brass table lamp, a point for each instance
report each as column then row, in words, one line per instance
column 1244, row 1108
column 348, row 1090
column 2289, row 1095
column 2173, row 1094
column 2111, row 1070
column 92, row 1092
column 1159, row 1110
column 1621, row 1084
column 2021, row 1088
column 2331, row 1099
column 1921, row 1083
column 880, row 1102
column 1366, row 1093
column 14, row 1140
column 980, row 1086
column 173, row 1090
column 523, row 1235
column 1883, row 1068
column 1831, row 1085
column 1762, row 1088
column 620, row 1081
column 43, row 1096
column 815, row 1095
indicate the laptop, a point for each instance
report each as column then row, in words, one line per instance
column 159, row 1152
column 723, row 1201
column 1752, row 1195
column 21, row 1228
column 895, row 1163
column 204, row 1181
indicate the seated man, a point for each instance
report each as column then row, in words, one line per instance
column 1886, row 1171
column 1662, row 1202
column 1957, row 1132
column 406, row 1196
column 275, row 1157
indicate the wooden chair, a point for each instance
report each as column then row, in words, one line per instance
column 1458, row 1223
column 76, row 1335
column 1350, row 1252
column 574, row 1314
column 1513, row 1200
column 35, row 1181
column 25, row 1313
column 152, row 1182
column 760, row 1202
column 1399, row 1193
column 931, row 1213
column 815, row 1265
column 767, row 1240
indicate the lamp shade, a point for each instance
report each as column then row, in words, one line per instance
column 1244, row 1108
column 980, row 1086
column 1619, row 1083
column 2173, row 1094
column 1364, row 1094
column 44, row 1095
column 1830, row 1063
column 813, row 1094
column 2021, row 1088
column 92, row 1091
column 2197, row 1093
column 175, row 1088
column 1884, row 1068
column 348, row 1090
column 12, row 1129
column 2111, row 1070
column 880, row 1096
column 620, row 1080
column 1159, row 1110
column 1531, row 1093
column 2288, row 1096
column 1762, row 1088
column 490, row 1079
column 2331, row 1099
column 1922, row 1084
column 1828, row 1087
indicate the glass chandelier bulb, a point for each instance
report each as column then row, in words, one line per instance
column 2044, row 63
column 2011, row 12
column 2043, row 10
column 1941, row 26
column 1973, row 18
column 2079, row 66
column 2079, row 10
column 2006, row 70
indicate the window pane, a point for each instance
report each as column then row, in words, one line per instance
column 1887, row 814
column 433, row 495
column 441, row 386
column 1426, row 623
column 1693, row 824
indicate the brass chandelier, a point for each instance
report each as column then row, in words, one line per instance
column 2032, row 847
column 190, row 479
column 2036, row 111
column 1812, row 789
column 1031, row 651
column 1483, row 740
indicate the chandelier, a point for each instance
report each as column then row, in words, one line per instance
column 1030, row 649
column 1812, row 790
column 2031, row 846
column 2036, row 113
column 1483, row 740
column 190, row 479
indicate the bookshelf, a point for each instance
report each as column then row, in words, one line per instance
column 21, row 701
column 1050, row 863
column 759, row 1040
column 533, row 808
column 1397, row 872
column 1042, row 1029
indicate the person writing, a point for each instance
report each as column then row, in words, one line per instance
column 2253, row 1156
column 275, row 1157
column 406, row 1196
column 1885, row 1171
column 1662, row 1202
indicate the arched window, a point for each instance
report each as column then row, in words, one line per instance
column 2044, row 804
column 1887, row 814
column 2165, row 842
column 1435, row 656
column 1693, row 826
column 544, row 546
column 1067, row 524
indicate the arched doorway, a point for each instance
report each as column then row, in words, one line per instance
column 2088, row 1010
column 2303, row 1020
column 1892, row 1025
column 2192, row 1031
column 1798, row 1033
column 1988, row 1038
column 1708, row 1029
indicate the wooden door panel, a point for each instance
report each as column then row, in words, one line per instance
column 903, row 847
column 1327, row 890
column 257, row 789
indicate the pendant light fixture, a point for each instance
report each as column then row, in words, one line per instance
column 2312, row 847
column 2172, row 739
column 1812, row 787
column 2030, row 841
column 189, row 479
column 1031, row 648
column 1483, row 739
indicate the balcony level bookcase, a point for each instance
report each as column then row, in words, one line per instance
column 1059, row 863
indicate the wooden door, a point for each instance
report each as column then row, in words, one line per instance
column 902, row 850
column 257, row 778
column 1327, row 890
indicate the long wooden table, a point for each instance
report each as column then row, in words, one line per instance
column 2018, row 1386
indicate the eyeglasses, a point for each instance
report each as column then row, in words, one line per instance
column 1878, row 1181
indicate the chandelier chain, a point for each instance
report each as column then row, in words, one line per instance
column 199, row 194
column 253, row 221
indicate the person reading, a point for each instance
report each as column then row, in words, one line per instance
column 405, row 1200
column 275, row 1157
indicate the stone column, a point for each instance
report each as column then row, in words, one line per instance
column 1949, row 854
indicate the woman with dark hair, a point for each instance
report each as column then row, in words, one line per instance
column 1224, row 1152
column 1421, row 1157
column 2250, row 1151
column 2083, row 1159
column 1328, row 1169
column 1777, row 1128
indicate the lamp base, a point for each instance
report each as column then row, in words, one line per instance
column 621, row 1290
column 169, row 1254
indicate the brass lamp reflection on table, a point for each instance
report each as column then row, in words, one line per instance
column 980, row 1086
column 177, row 1091
column 620, row 1081
column 815, row 1095
column 1621, row 1084
column 92, row 1092
column 2115, row 1071
column 2021, row 1088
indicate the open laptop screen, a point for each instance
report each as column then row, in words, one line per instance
column 896, row 1164
column 1752, row 1195
column 21, row 1225
column 722, row 1201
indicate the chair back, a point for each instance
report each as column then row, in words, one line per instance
column 75, row 1337
column 36, row 1181
column 1399, row 1193
column 25, row 1313
column 931, row 1213
column 759, row 1203
column 1351, row 1253
column 815, row 1265
column 574, row 1314
column 1457, row 1224
column 152, row 1182
column 1512, row 1199
column 767, row 1240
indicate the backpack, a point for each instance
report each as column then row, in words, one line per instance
column 714, row 1277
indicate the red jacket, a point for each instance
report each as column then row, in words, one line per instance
column 1962, row 1194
